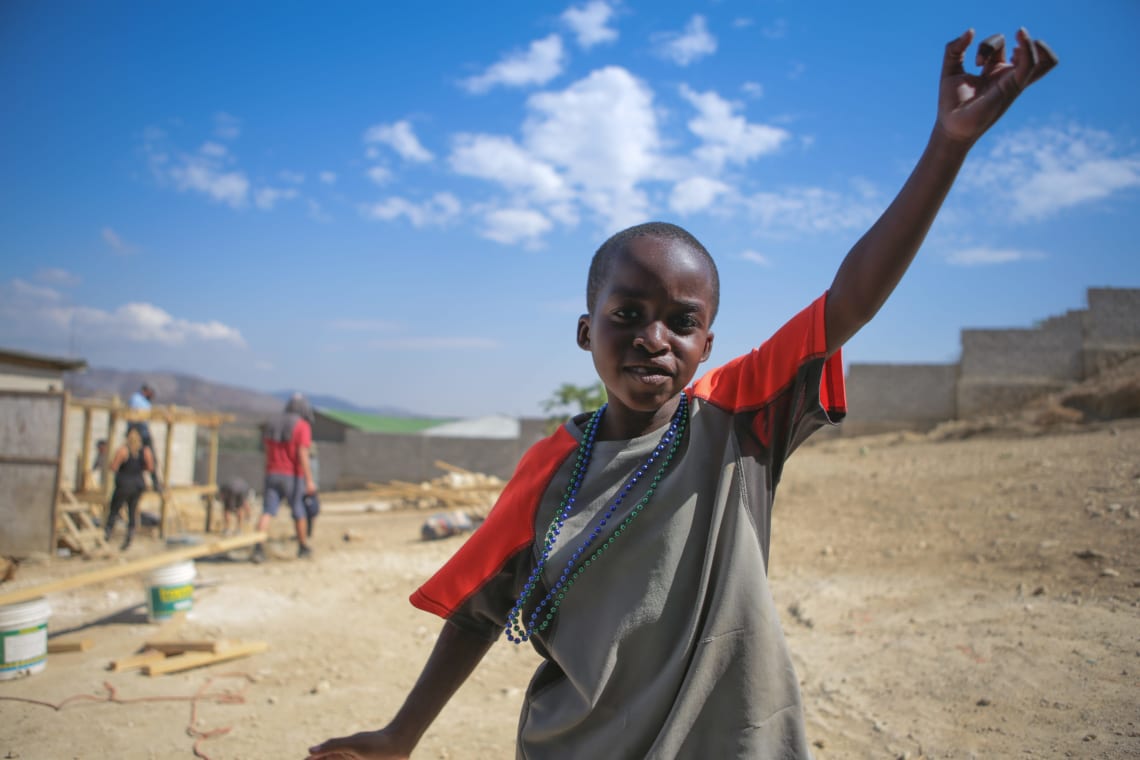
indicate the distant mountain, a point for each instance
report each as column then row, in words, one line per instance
column 335, row 403
column 200, row 394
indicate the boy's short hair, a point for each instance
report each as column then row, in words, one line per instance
column 603, row 258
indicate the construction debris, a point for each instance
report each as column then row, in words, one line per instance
column 160, row 657
column 458, row 492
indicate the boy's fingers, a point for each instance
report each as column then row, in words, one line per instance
column 1046, row 60
column 991, row 53
column 956, row 53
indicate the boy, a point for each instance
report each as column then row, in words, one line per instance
column 646, row 594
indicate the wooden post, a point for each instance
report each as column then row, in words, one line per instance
column 112, row 447
column 85, row 453
column 169, row 448
column 212, row 463
column 63, row 398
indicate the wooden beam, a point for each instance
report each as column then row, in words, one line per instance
column 176, row 647
column 130, row 568
column 189, row 660
column 85, row 452
column 137, row 660
column 212, row 461
column 58, row 646
column 453, row 468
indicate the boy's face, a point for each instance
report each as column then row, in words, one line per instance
column 650, row 327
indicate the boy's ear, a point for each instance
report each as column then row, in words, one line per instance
column 584, row 332
column 708, row 347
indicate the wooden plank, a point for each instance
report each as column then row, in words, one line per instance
column 453, row 468
column 139, row 660
column 190, row 660
column 57, row 646
column 173, row 646
column 220, row 546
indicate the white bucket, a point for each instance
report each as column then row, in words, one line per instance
column 23, row 638
column 170, row 589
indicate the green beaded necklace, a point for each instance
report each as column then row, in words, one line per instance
column 518, row 632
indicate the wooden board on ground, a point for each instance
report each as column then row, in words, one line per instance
column 59, row 646
column 220, row 546
column 227, row 650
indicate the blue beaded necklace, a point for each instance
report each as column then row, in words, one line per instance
column 518, row 632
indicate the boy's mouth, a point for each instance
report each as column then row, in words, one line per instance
column 650, row 374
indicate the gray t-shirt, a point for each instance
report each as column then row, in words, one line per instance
column 669, row 645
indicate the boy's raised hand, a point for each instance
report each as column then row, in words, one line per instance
column 968, row 104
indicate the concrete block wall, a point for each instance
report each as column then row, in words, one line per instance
column 1113, row 317
column 1051, row 350
column 1000, row 369
column 899, row 396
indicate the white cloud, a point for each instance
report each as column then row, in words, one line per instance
column 227, row 127
column 726, row 135
column 316, row 211
column 439, row 209
column 756, row 258
column 513, row 225
column 266, row 198
column 696, row 194
column 329, row 178
column 203, row 175
column 21, row 290
column 811, row 210
column 379, row 174
column 400, row 137
column 43, row 312
column 742, row 22
column 690, row 45
column 982, row 256
column 213, row 149
column 540, row 63
column 752, row 89
column 293, row 178
column 58, row 276
column 589, row 23
column 116, row 242
column 601, row 134
column 1041, row 172
column 501, row 159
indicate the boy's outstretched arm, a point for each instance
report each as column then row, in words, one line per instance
column 452, row 660
column 968, row 104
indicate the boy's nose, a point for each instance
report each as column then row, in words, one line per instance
column 651, row 338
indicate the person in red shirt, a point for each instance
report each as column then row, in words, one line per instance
column 288, row 470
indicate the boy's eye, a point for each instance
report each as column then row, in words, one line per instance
column 627, row 314
column 685, row 322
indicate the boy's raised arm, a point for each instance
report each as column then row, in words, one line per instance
column 452, row 660
column 968, row 104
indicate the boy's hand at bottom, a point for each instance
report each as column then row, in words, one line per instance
column 366, row 745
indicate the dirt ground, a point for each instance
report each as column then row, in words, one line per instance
column 975, row 598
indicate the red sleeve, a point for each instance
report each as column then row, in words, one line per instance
column 508, row 529
column 302, row 435
column 754, row 381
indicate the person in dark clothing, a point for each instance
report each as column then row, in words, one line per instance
column 131, row 460
column 234, row 495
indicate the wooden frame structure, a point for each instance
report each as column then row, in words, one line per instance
column 117, row 411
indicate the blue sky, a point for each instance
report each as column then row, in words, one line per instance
column 396, row 203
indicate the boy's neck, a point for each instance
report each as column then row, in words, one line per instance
column 621, row 423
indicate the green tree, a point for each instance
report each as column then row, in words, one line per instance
column 575, row 399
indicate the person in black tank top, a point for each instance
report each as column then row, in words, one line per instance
column 131, row 461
